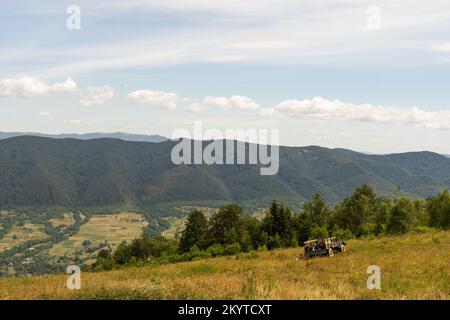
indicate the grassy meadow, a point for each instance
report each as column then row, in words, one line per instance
column 412, row 267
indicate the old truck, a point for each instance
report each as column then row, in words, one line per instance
column 323, row 247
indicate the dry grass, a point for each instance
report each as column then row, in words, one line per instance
column 413, row 267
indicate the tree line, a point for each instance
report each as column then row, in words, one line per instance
column 229, row 231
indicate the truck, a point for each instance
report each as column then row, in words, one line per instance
column 323, row 247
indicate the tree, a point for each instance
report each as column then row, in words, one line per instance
column 158, row 246
column 253, row 228
column 302, row 225
column 104, row 261
column 402, row 214
column 226, row 225
column 383, row 215
column 439, row 210
column 278, row 221
column 317, row 210
column 195, row 232
column 358, row 209
column 122, row 255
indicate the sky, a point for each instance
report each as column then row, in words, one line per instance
column 371, row 76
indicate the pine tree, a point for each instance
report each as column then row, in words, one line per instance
column 278, row 222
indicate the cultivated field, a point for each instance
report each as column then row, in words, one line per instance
column 65, row 221
column 412, row 267
column 111, row 228
column 21, row 234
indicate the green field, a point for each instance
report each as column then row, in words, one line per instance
column 412, row 267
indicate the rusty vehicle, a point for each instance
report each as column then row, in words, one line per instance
column 323, row 247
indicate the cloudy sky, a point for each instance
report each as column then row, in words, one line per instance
column 372, row 76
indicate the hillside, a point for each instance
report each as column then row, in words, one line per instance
column 73, row 173
column 412, row 267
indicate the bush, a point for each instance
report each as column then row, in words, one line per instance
column 318, row 233
column 343, row 234
column 104, row 261
column 231, row 249
column 422, row 229
column 196, row 254
column 215, row 250
column 366, row 229
column 86, row 243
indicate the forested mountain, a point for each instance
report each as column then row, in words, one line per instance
column 37, row 171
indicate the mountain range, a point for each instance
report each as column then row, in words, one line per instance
column 88, row 136
column 41, row 171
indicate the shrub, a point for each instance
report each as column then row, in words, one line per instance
column 231, row 249
column 196, row 253
column 422, row 229
column 343, row 234
column 366, row 229
column 318, row 233
column 215, row 250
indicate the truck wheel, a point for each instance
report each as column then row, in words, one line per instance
column 330, row 252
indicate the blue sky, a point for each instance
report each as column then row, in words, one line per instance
column 366, row 75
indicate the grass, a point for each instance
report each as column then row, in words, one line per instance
column 113, row 228
column 21, row 234
column 412, row 267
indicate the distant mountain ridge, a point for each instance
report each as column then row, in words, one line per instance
column 88, row 136
column 36, row 171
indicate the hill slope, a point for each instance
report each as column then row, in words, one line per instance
column 412, row 267
column 36, row 171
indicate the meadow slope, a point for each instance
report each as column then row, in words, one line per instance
column 412, row 266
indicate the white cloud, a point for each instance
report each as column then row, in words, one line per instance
column 275, row 31
column 196, row 107
column 72, row 121
column 44, row 114
column 167, row 100
column 233, row 102
column 95, row 96
column 443, row 47
column 323, row 109
column 27, row 87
